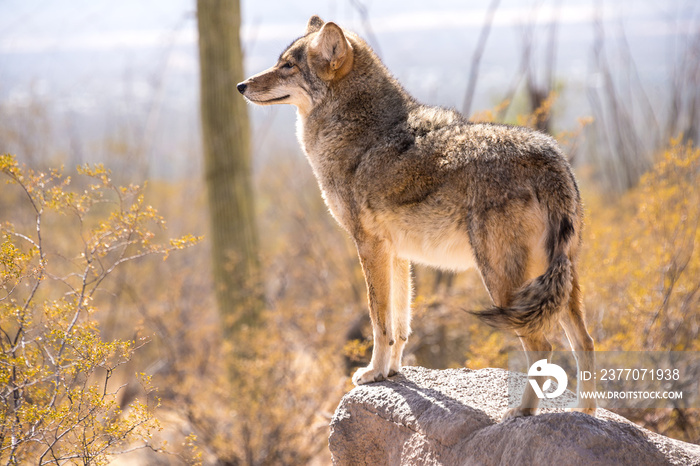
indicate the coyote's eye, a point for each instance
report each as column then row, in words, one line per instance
column 288, row 65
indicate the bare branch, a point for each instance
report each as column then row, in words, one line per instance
column 476, row 57
column 367, row 25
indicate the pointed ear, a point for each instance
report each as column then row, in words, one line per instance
column 331, row 53
column 315, row 24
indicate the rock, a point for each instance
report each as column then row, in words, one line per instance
column 452, row 417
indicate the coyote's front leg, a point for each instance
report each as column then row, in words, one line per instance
column 400, row 310
column 376, row 260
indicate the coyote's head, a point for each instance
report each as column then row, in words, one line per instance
column 305, row 70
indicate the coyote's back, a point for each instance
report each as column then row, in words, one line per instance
column 414, row 183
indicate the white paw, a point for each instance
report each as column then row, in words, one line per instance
column 368, row 375
column 518, row 412
column 590, row 410
column 394, row 368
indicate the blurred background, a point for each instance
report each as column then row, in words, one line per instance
column 118, row 83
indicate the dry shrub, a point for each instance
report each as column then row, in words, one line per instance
column 58, row 399
column 642, row 272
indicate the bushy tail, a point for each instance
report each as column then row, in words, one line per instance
column 536, row 303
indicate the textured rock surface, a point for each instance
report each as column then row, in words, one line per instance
column 452, row 417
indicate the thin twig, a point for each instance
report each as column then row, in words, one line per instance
column 476, row 57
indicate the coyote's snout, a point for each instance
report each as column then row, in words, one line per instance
column 414, row 183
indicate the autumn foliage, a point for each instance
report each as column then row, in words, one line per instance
column 643, row 262
column 57, row 399
column 105, row 350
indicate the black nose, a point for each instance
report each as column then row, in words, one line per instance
column 241, row 87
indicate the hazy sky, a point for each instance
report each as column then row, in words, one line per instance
column 100, row 61
column 57, row 25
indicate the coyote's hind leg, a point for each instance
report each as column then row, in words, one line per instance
column 537, row 347
column 582, row 344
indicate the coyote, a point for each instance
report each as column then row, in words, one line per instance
column 415, row 183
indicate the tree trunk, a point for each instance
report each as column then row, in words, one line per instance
column 226, row 138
